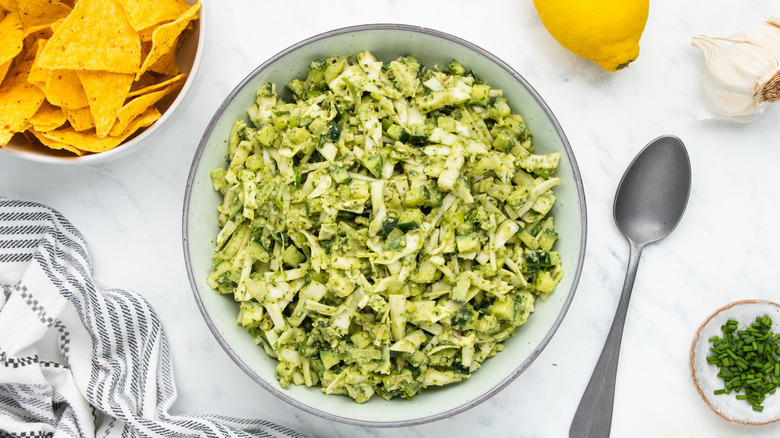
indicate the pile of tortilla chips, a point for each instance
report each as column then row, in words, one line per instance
column 85, row 75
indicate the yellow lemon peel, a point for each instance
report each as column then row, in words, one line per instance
column 604, row 31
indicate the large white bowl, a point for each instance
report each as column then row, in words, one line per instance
column 188, row 59
column 386, row 42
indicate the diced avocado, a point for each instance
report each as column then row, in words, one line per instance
column 504, row 310
column 373, row 163
column 446, row 123
column 218, row 179
column 339, row 174
column 297, row 88
column 317, row 126
column 398, row 133
column 416, row 196
column 545, row 282
column 410, row 219
column 316, row 77
column 284, row 373
column 467, row 243
column 335, row 66
column 361, row 339
column 433, row 100
column 417, row 359
column 266, row 90
column 480, row 95
column 425, row 273
column 422, row 196
column 257, row 252
column 454, row 68
column 250, row 314
column 503, row 141
column 418, row 134
column 405, row 74
column 329, row 358
column 500, row 108
column 292, row 256
column 435, row 198
column 547, row 239
column 267, row 135
column 488, row 325
column 313, row 206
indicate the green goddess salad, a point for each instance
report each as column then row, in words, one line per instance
column 387, row 229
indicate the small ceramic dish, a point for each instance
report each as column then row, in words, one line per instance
column 705, row 375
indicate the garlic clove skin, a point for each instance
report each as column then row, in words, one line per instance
column 765, row 35
column 742, row 72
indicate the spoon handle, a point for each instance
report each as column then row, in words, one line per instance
column 593, row 418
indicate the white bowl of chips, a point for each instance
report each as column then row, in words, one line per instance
column 90, row 82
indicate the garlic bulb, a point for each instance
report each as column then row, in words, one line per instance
column 742, row 72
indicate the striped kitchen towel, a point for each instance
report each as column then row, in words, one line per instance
column 78, row 361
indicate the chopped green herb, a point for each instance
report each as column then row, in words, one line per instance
column 754, row 369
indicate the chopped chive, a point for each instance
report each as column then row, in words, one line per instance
column 748, row 360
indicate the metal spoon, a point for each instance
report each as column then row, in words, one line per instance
column 649, row 203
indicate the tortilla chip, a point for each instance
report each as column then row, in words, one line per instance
column 95, row 36
column 146, row 80
column 38, row 76
column 146, row 13
column 41, row 13
column 166, row 64
column 106, row 93
column 80, row 119
column 48, row 117
column 138, row 106
column 55, row 144
column 19, row 101
column 89, row 142
column 40, row 34
column 57, row 24
column 11, row 37
column 174, row 80
column 8, row 5
column 146, row 35
column 166, row 37
column 4, row 69
column 63, row 88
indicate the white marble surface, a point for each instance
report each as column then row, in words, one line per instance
column 724, row 249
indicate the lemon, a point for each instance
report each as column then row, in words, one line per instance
column 604, row 31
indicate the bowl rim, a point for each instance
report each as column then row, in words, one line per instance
column 141, row 139
column 575, row 275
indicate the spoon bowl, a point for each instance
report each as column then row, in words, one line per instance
column 649, row 203
column 654, row 191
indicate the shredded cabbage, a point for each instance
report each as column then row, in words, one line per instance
column 387, row 229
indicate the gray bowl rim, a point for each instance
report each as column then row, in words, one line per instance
column 508, row 379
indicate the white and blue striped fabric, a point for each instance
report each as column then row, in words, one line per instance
column 78, row 361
